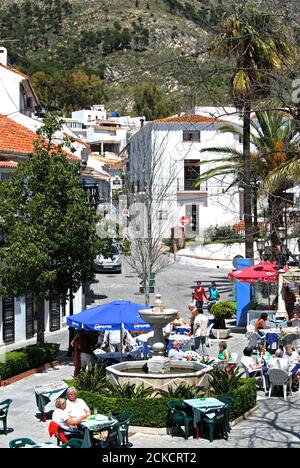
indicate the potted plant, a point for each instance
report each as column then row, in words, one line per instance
column 222, row 311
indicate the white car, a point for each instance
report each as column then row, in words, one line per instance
column 113, row 263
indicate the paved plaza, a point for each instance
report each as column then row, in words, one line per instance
column 276, row 423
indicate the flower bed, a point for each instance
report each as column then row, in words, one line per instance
column 25, row 359
column 152, row 412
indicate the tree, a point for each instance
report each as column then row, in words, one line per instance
column 50, row 228
column 255, row 39
column 275, row 141
column 149, row 181
column 150, row 102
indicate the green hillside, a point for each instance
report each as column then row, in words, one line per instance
column 122, row 42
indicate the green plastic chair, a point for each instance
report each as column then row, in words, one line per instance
column 73, row 443
column 124, row 421
column 178, row 417
column 4, row 407
column 215, row 420
column 228, row 400
column 20, row 443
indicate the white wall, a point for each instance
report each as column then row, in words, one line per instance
column 9, row 91
column 166, row 140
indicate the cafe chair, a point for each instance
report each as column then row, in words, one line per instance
column 178, row 417
column 74, row 443
column 21, row 443
column 4, row 407
column 215, row 421
column 124, row 421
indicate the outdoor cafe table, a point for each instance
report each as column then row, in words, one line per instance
column 45, row 394
column 202, row 406
column 101, row 423
column 272, row 335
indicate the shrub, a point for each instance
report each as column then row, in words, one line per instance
column 223, row 310
column 26, row 359
column 183, row 392
column 93, row 379
column 16, row 363
column 128, row 390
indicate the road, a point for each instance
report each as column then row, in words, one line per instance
column 174, row 284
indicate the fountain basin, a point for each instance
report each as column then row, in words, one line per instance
column 187, row 372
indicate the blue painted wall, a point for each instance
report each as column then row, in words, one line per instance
column 243, row 294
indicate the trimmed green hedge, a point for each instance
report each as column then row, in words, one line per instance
column 17, row 362
column 153, row 412
column 245, row 398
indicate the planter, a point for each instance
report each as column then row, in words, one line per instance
column 221, row 334
column 24, row 375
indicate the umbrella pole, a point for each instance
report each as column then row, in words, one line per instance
column 269, row 302
column 121, row 341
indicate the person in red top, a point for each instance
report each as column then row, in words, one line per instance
column 198, row 295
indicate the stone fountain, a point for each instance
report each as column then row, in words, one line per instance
column 159, row 372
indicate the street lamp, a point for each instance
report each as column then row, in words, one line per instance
column 298, row 242
column 260, row 243
column 281, row 233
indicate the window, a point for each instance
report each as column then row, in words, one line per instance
column 192, row 136
column 54, row 307
column 8, row 319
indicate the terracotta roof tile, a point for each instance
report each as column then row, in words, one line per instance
column 17, row 139
column 14, row 70
column 8, row 164
column 190, row 119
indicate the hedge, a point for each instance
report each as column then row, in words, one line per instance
column 17, row 362
column 153, row 412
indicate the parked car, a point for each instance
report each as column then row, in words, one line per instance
column 112, row 263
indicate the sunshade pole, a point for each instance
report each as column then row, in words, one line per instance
column 121, row 340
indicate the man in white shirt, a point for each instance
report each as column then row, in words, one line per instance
column 76, row 408
column 279, row 362
column 64, row 420
column 200, row 331
column 176, row 353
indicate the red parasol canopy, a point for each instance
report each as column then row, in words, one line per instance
column 266, row 272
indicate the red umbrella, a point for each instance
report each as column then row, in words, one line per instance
column 266, row 272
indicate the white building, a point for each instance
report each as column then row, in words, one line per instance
column 175, row 145
column 17, row 136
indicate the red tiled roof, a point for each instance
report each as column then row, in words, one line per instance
column 190, row 119
column 14, row 70
column 17, row 139
column 8, row 164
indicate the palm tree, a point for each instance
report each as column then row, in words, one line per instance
column 275, row 142
column 255, row 39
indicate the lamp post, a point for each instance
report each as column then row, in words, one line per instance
column 261, row 243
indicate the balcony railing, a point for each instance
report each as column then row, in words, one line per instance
column 189, row 185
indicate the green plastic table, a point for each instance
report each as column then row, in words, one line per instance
column 96, row 425
column 202, row 406
column 44, row 394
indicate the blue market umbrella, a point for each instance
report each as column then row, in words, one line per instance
column 116, row 315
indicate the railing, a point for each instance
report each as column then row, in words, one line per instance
column 186, row 185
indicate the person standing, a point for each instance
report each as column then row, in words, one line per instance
column 194, row 312
column 200, row 331
column 199, row 295
column 290, row 300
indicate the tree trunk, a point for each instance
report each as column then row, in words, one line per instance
column 39, row 306
column 249, row 249
column 255, row 212
column 71, row 330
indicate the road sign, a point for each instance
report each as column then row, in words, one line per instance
column 185, row 221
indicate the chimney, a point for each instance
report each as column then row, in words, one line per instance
column 3, row 56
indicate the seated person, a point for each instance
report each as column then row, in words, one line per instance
column 289, row 329
column 64, row 420
column 76, row 408
column 292, row 356
column 261, row 323
column 180, row 322
column 249, row 362
column 224, row 354
column 262, row 356
column 176, row 352
column 278, row 361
